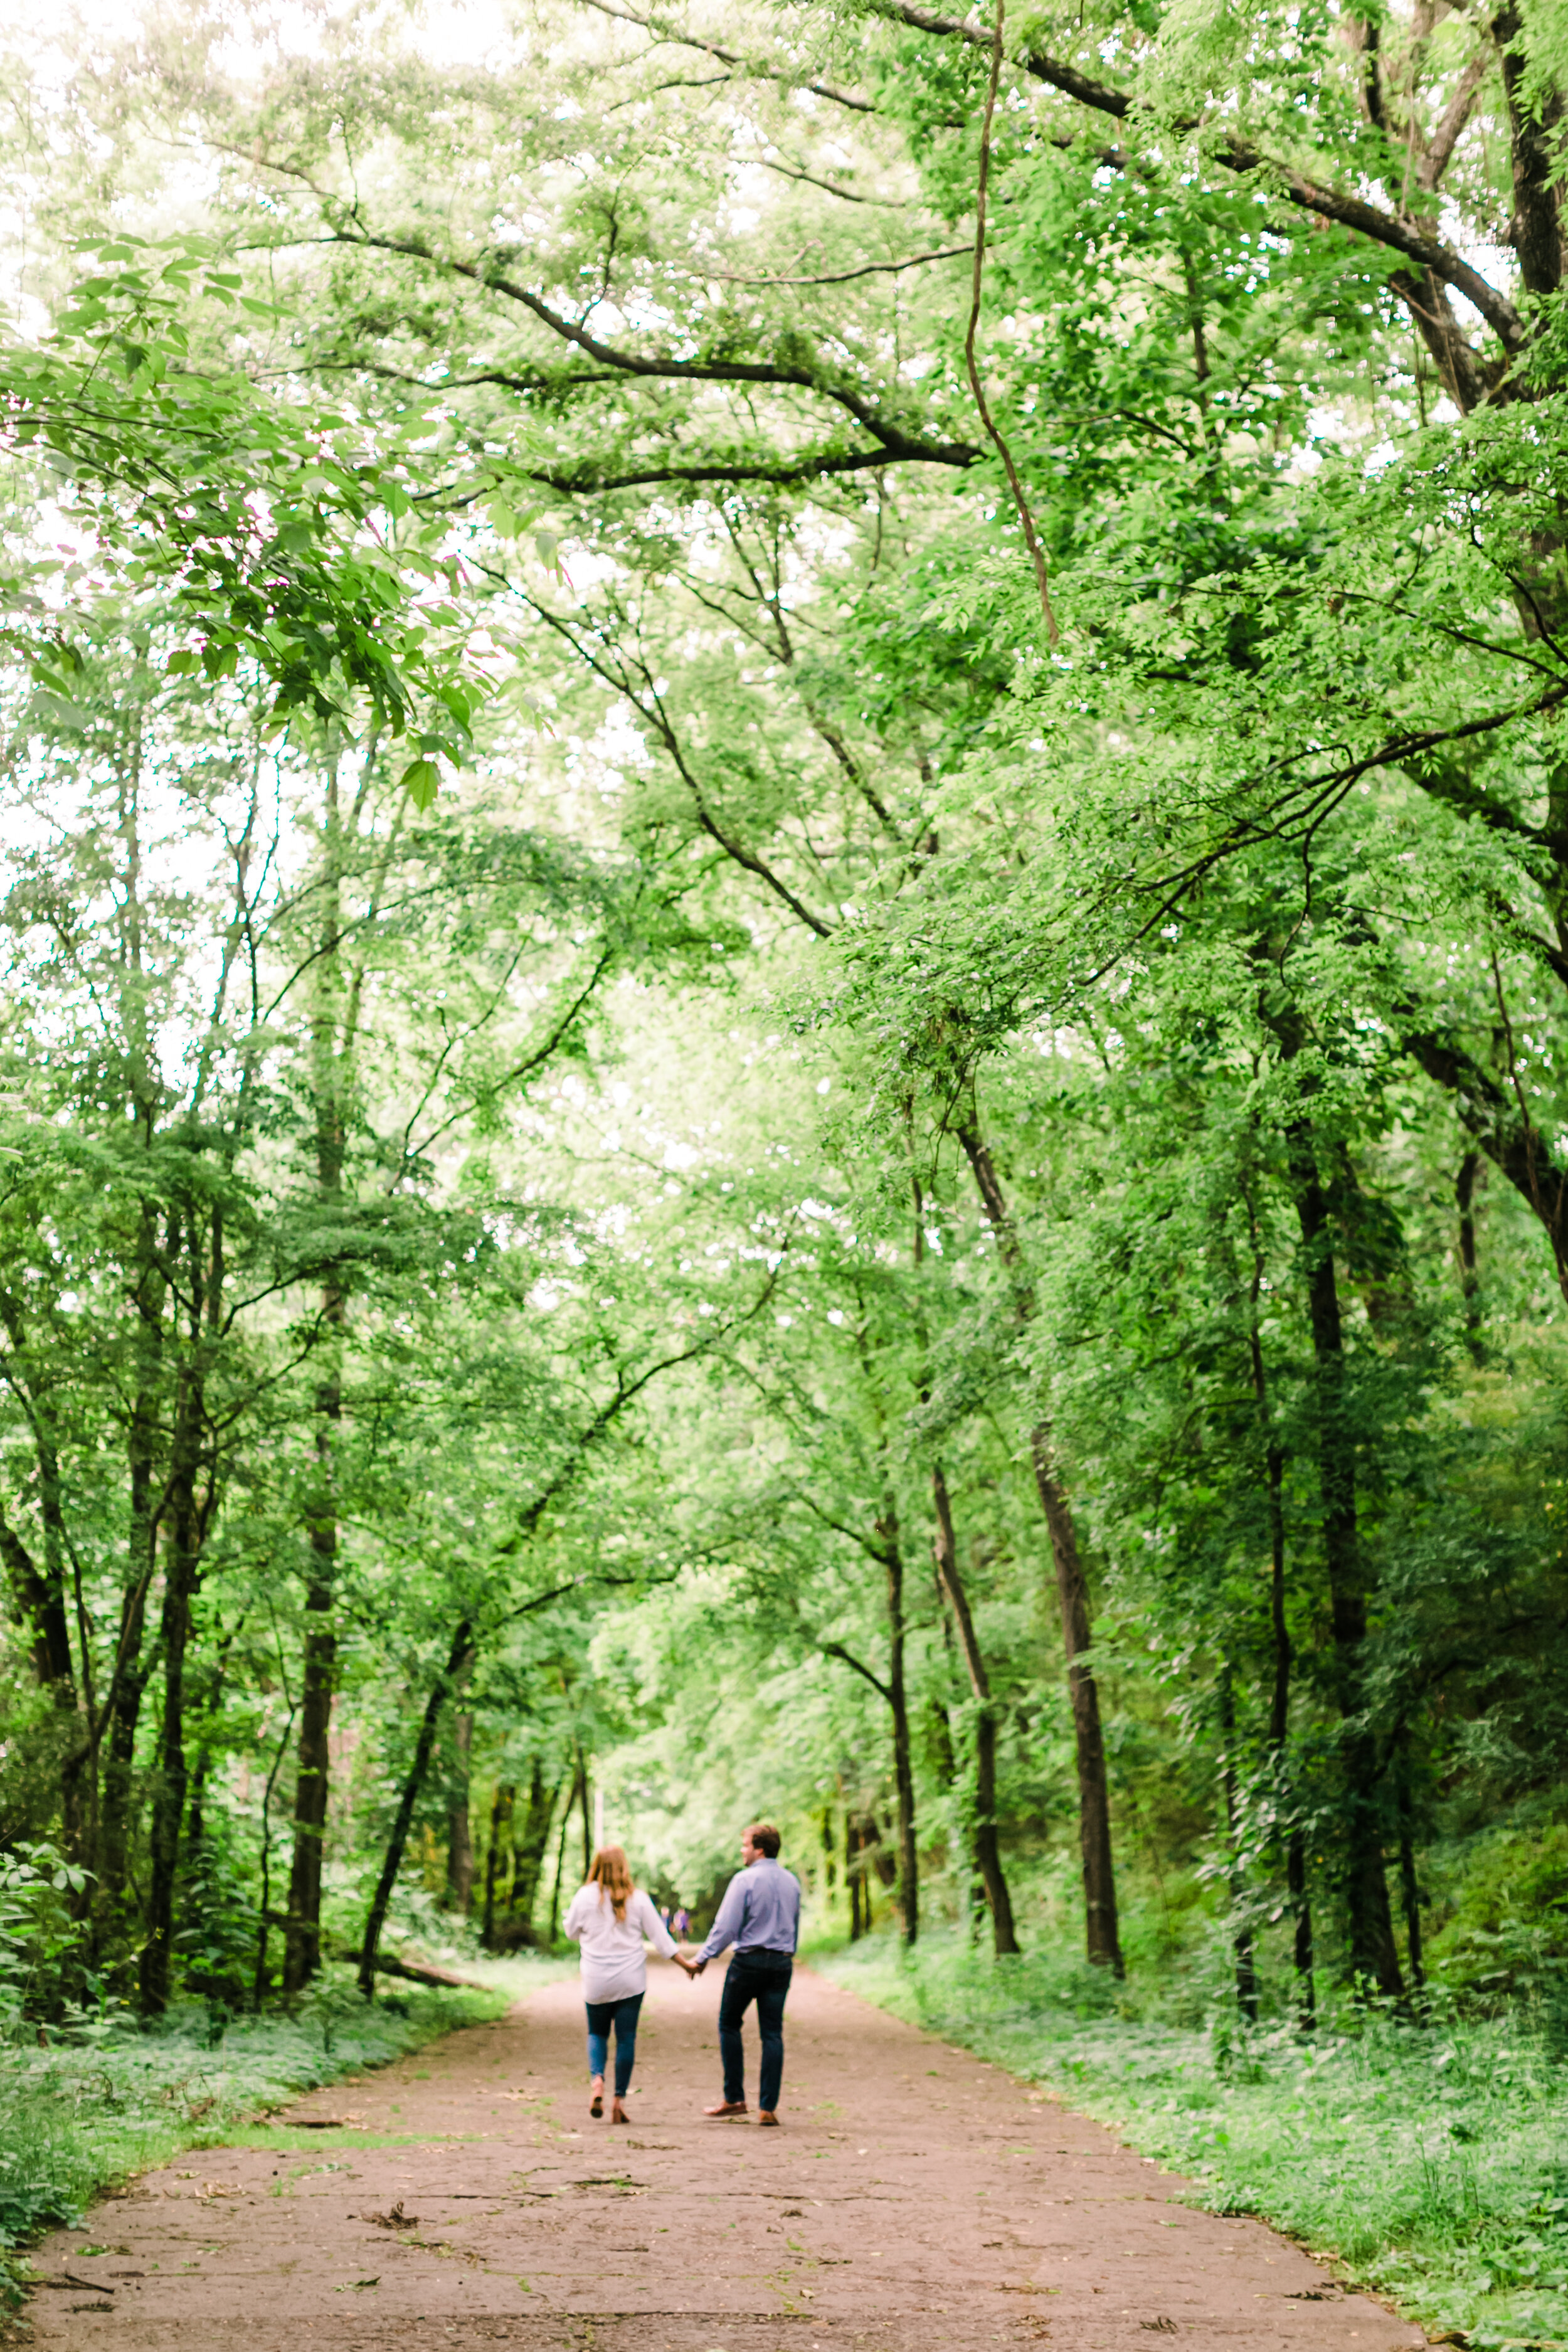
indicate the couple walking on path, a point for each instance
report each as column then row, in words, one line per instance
column 760, row 1916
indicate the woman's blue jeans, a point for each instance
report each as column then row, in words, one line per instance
column 623, row 2016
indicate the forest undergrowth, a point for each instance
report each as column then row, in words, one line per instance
column 78, row 2115
column 1428, row 2163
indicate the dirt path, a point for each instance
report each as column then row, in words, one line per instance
column 915, row 2198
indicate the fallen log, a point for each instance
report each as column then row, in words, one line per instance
column 422, row 1973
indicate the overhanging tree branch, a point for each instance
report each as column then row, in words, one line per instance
column 838, row 1650
column 896, row 441
column 1240, row 155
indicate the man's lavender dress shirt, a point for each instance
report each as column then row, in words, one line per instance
column 760, row 1913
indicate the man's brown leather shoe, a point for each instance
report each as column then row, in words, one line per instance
column 726, row 2107
column 768, row 2116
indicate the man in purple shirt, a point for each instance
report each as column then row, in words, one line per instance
column 761, row 1916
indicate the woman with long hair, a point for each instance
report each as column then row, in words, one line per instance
column 609, row 1918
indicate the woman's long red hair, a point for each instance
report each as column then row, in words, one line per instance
column 612, row 1874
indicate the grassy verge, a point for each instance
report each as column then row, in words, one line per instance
column 1430, row 2165
column 77, row 2116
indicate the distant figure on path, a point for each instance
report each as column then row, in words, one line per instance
column 761, row 1916
column 609, row 1918
column 680, row 1922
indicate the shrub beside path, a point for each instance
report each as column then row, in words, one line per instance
column 916, row 2197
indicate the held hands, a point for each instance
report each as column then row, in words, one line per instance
column 693, row 1968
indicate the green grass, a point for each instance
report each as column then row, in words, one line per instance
column 77, row 2117
column 1430, row 2164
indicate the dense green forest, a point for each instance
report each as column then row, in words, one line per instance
column 781, row 1000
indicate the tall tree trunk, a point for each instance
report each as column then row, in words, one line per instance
column 886, row 1548
column 302, row 1940
column 1102, row 1938
column 460, row 1838
column 946, row 1753
column 530, row 1850
column 40, row 1603
column 181, row 1578
column 501, row 1805
column 330, row 1042
column 37, row 1577
column 1280, row 1703
column 113, row 1840
column 112, row 1861
column 1469, row 1282
column 1241, row 1933
column 560, row 1850
column 899, row 1703
column 1373, row 1955
column 459, row 1658
column 852, row 1877
column 1409, row 1888
column 264, row 1920
column 987, row 1851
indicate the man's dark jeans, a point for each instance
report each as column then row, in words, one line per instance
column 763, row 1977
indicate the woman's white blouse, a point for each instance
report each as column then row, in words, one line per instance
column 614, row 1963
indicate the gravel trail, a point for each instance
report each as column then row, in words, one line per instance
column 914, row 2197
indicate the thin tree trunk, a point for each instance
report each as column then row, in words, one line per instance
column 852, row 1875
column 1372, row 1954
column 459, row 1658
column 903, row 1760
column 264, row 1922
column 330, row 1042
column 1102, row 1938
column 459, row 1837
column 1284, row 1661
column 1241, row 1935
column 894, row 1691
column 1409, row 1888
column 1469, row 1282
column 113, row 1842
column 500, row 1819
column 947, row 1756
column 987, row 1851
column 1102, row 1935
column 303, row 1943
column 181, row 1578
column 888, row 1550
column 528, row 1852
column 1303, row 1953
column 561, row 1853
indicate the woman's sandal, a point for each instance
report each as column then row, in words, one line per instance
column 597, row 2103
column 618, row 2114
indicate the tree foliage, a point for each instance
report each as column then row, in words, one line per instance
column 785, row 982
